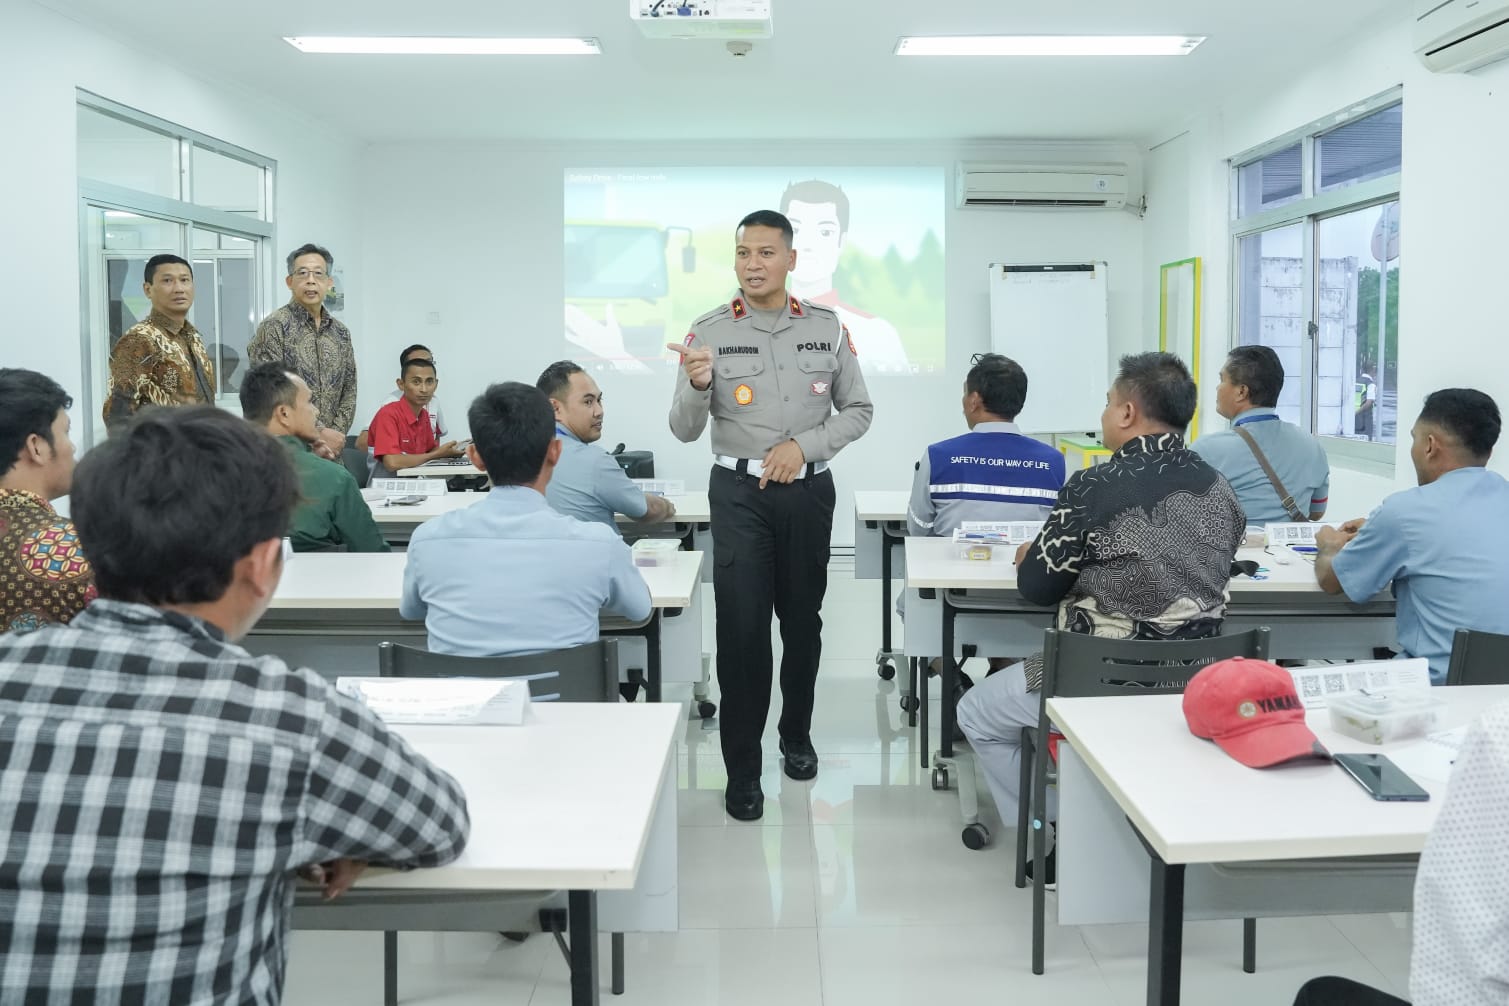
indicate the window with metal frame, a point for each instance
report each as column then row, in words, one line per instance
column 148, row 187
column 1316, row 270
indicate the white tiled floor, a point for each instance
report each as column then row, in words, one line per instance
column 853, row 889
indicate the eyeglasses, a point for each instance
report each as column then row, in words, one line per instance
column 307, row 273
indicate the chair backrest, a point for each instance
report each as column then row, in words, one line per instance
column 586, row 673
column 1478, row 658
column 1075, row 664
column 356, row 463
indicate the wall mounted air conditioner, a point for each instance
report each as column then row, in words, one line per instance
column 1101, row 186
column 1453, row 36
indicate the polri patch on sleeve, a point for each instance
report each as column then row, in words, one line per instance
column 850, row 340
column 689, row 337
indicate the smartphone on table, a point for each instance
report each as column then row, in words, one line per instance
column 1380, row 777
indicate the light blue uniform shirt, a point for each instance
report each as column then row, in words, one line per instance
column 1446, row 547
column 1297, row 458
column 509, row 576
column 589, row 485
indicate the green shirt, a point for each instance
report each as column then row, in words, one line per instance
column 333, row 511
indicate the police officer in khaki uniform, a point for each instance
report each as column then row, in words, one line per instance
column 781, row 381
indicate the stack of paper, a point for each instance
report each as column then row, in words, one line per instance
column 441, row 700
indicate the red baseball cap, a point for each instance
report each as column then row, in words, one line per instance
column 1252, row 712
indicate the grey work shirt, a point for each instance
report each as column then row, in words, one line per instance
column 774, row 380
column 1297, row 458
column 589, row 485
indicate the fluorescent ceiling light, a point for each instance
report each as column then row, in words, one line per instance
column 415, row 45
column 1047, row 45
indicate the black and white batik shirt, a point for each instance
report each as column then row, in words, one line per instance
column 1137, row 547
column 159, row 786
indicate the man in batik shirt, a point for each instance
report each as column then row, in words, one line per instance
column 44, row 576
column 160, row 361
column 304, row 338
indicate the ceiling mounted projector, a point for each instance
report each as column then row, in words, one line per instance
column 709, row 19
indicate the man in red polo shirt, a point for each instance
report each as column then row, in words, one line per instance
column 401, row 433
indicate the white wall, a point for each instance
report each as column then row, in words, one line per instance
column 1450, row 317
column 43, row 58
column 474, row 233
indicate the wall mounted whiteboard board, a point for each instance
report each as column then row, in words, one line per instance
column 1052, row 319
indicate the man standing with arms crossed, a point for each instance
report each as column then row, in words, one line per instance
column 771, row 370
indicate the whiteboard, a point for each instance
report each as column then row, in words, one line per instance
column 1052, row 320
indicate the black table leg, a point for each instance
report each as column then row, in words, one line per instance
column 950, row 679
column 885, row 592
column 1165, row 932
column 581, row 922
column 652, row 643
column 390, row 968
column 927, row 755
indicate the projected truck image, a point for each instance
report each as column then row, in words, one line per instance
column 647, row 251
column 618, row 288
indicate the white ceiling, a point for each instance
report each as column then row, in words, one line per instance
column 828, row 72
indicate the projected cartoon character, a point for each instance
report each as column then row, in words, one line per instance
column 819, row 215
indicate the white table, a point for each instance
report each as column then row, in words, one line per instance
column 397, row 523
column 331, row 609
column 1190, row 803
column 879, row 525
column 437, row 469
column 952, row 601
column 581, row 798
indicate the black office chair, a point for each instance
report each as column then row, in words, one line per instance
column 586, row 673
column 1078, row 665
column 1478, row 658
column 356, row 463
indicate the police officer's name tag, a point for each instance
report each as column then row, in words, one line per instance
column 661, row 487
column 410, row 487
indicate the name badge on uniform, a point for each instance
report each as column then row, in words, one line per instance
column 744, row 394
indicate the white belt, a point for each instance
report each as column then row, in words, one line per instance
column 755, row 467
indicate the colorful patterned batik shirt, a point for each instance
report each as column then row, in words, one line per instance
column 44, row 576
column 319, row 353
column 154, row 365
column 1139, row 547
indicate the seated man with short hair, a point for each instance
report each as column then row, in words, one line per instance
column 418, row 351
column 331, row 513
column 163, row 785
column 44, row 577
column 402, row 434
column 1300, row 479
column 1137, row 547
column 991, row 473
column 509, row 575
column 588, row 484
column 1443, row 544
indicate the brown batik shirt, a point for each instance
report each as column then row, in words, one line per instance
column 153, row 365
column 44, row 576
column 320, row 354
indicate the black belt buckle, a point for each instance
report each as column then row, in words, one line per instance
column 742, row 467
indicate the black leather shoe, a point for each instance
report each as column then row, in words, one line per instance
column 801, row 760
column 744, row 801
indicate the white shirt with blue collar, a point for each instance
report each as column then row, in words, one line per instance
column 510, row 576
column 1445, row 546
column 589, row 485
column 1297, row 458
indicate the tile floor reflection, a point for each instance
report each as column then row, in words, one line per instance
column 853, row 889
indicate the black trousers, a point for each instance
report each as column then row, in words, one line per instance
column 1343, row 992
column 770, row 553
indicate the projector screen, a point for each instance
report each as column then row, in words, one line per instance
column 648, row 250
